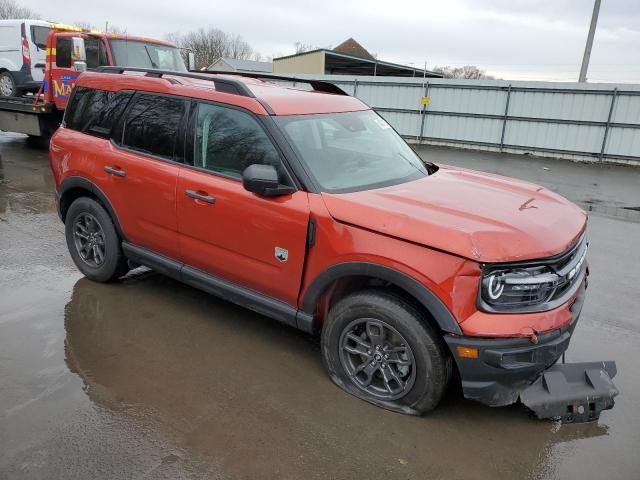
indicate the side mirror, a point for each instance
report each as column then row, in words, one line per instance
column 263, row 180
column 78, row 53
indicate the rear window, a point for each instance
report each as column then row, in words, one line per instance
column 152, row 124
column 95, row 111
column 39, row 36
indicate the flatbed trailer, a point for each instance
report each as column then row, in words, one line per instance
column 26, row 115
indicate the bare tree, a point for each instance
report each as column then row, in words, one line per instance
column 468, row 72
column 209, row 45
column 302, row 47
column 110, row 28
column 10, row 9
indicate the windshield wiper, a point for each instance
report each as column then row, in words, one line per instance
column 153, row 64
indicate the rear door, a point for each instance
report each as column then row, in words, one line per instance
column 224, row 230
column 138, row 169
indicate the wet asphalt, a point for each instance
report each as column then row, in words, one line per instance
column 148, row 378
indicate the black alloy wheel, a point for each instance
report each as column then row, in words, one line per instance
column 377, row 358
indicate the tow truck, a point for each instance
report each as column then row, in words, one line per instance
column 69, row 52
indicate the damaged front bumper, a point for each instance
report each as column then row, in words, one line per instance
column 510, row 369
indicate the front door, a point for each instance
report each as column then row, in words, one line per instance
column 224, row 230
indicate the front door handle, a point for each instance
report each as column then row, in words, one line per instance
column 115, row 171
column 204, row 196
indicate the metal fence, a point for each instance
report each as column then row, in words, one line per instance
column 569, row 120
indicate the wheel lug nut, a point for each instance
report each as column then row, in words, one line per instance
column 384, row 365
column 368, row 352
column 386, row 355
column 373, row 363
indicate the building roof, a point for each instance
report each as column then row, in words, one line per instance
column 344, row 64
column 351, row 47
column 243, row 65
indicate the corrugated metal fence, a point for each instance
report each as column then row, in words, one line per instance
column 569, row 120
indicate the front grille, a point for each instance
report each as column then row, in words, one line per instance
column 569, row 268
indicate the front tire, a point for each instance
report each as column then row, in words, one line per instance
column 380, row 348
column 93, row 242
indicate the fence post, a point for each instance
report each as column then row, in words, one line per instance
column 355, row 87
column 504, row 118
column 423, row 113
column 606, row 128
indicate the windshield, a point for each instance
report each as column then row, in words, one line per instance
column 351, row 151
column 132, row 53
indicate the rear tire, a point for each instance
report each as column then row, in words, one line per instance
column 8, row 86
column 380, row 348
column 93, row 242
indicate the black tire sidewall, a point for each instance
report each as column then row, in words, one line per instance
column 426, row 346
column 111, row 268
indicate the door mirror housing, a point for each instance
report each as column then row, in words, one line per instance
column 263, row 180
column 78, row 52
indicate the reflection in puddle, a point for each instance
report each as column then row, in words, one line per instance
column 238, row 386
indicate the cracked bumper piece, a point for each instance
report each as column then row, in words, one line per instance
column 502, row 371
column 572, row 392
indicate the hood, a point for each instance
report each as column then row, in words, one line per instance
column 483, row 217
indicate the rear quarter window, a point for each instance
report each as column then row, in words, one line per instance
column 96, row 111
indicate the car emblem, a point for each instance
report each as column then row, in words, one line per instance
column 281, row 254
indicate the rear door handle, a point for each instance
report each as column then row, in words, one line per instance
column 205, row 197
column 115, row 171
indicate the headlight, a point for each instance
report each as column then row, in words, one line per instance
column 513, row 288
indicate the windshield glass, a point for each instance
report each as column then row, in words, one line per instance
column 132, row 53
column 351, row 151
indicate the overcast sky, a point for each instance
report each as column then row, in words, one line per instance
column 511, row 39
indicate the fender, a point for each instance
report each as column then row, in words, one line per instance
column 81, row 182
column 423, row 295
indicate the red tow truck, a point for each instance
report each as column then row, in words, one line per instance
column 69, row 52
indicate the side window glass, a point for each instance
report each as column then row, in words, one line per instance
column 108, row 118
column 74, row 109
column 96, row 111
column 104, row 60
column 39, row 36
column 63, row 52
column 87, row 108
column 91, row 49
column 152, row 124
column 227, row 141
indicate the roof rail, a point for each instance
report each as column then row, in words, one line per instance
column 225, row 85
column 317, row 85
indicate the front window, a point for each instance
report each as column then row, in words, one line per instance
column 229, row 140
column 351, row 151
column 133, row 53
column 39, row 36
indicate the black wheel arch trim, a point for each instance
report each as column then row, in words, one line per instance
column 81, row 182
column 419, row 292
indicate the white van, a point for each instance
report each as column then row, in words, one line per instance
column 22, row 55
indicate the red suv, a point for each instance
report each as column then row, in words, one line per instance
column 305, row 205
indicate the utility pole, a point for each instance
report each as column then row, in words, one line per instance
column 587, row 48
